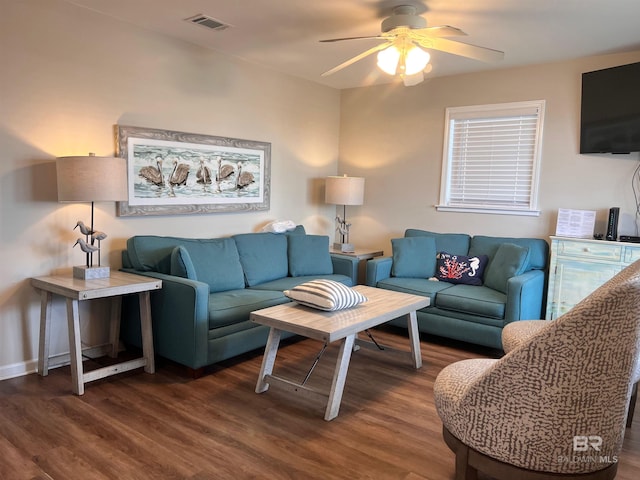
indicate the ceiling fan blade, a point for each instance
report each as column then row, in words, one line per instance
column 463, row 49
column 440, row 31
column 328, row 40
column 353, row 60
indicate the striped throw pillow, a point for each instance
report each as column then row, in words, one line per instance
column 326, row 295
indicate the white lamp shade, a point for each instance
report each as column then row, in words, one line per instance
column 344, row 190
column 91, row 179
column 415, row 61
column 388, row 60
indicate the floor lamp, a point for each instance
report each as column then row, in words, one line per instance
column 91, row 179
column 344, row 191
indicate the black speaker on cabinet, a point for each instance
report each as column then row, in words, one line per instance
column 612, row 224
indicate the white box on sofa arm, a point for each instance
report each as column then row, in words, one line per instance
column 485, row 282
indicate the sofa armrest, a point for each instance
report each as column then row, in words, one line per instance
column 180, row 316
column 345, row 265
column 378, row 269
column 524, row 296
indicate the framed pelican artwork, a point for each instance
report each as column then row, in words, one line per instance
column 171, row 173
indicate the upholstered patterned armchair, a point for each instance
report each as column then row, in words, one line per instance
column 555, row 404
column 517, row 333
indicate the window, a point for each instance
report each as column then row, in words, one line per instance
column 491, row 158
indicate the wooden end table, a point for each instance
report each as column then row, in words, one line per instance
column 342, row 325
column 75, row 290
column 363, row 256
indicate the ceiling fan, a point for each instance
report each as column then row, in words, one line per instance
column 404, row 32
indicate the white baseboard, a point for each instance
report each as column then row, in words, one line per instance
column 18, row 369
column 31, row 366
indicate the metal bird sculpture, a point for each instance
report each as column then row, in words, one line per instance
column 85, row 247
column 88, row 249
column 343, row 228
column 99, row 236
column 83, row 228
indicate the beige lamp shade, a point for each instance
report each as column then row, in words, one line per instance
column 344, row 190
column 91, row 179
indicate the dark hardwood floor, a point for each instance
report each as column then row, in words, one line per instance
column 168, row 426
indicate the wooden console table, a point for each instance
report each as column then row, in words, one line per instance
column 76, row 290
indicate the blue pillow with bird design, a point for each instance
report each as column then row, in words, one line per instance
column 460, row 269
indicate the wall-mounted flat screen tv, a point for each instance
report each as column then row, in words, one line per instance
column 610, row 115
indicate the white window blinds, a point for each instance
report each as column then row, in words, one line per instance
column 491, row 154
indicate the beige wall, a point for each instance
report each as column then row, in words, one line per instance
column 68, row 76
column 393, row 136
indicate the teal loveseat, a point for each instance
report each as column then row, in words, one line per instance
column 209, row 287
column 509, row 285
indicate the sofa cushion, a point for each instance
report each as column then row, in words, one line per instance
column 462, row 326
column 215, row 262
column 325, row 295
column 309, row 255
column 287, row 283
column 181, row 264
column 455, row 243
column 151, row 253
column 234, row 306
column 538, row 249
column 414, row 286
column 510, row 260
column 460, row 268
column 474, row 300
column 413, row 257
column 263, row 256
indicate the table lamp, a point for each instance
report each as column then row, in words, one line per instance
column 91, row 179
column 344, row 191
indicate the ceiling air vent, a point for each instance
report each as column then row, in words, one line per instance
column 208, row 22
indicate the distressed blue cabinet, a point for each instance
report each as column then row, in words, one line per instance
column 579, row 266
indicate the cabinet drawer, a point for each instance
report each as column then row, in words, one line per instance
column 631, row 254
column 596, row 250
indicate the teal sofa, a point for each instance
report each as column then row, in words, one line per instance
column 210, row 286
column 512, row 286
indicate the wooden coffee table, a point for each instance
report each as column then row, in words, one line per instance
column 344, row 325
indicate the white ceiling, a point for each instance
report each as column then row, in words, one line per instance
column 283, row 34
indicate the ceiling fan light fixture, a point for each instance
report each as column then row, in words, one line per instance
column 388, row 60
column 410, row 61
column 416, row 60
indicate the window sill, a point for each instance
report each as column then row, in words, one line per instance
column 493, row 211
